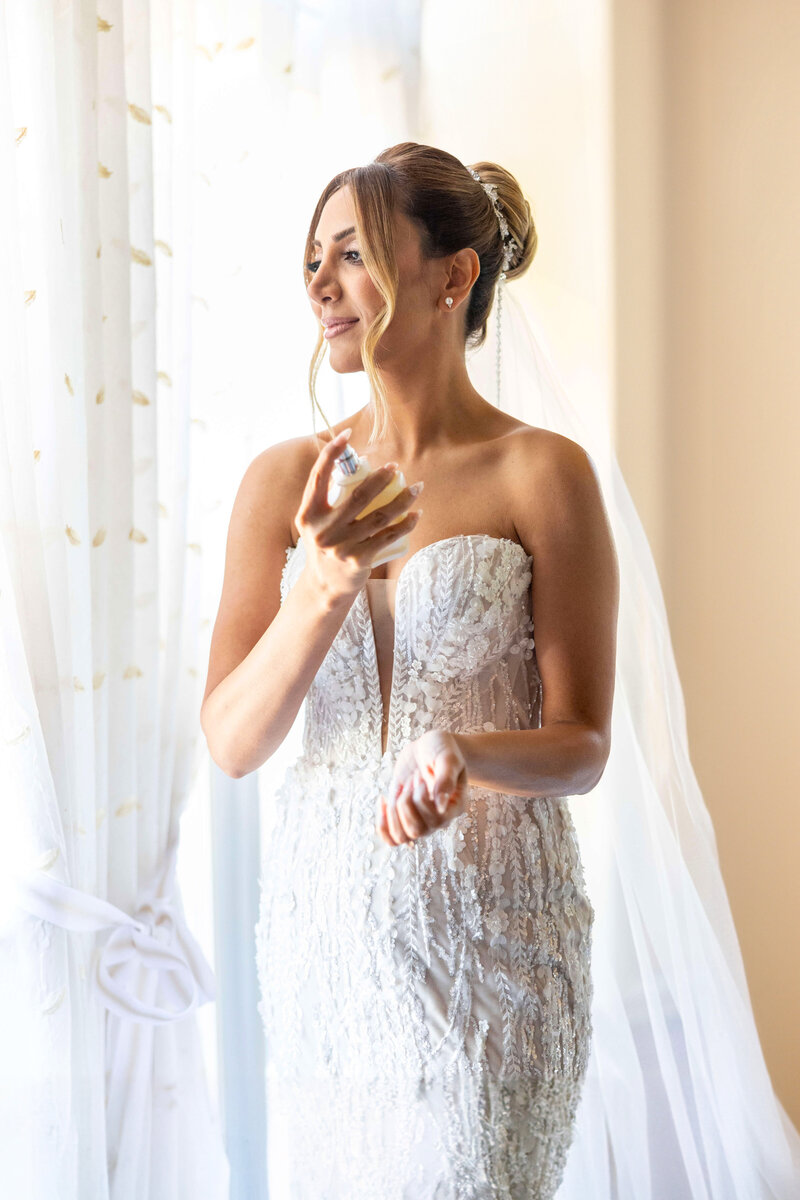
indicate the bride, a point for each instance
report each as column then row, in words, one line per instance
column 426, row 933
column 425, row 964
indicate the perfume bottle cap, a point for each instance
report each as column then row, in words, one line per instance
column 348, row 460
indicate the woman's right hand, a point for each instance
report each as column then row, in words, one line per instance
column 339, row 548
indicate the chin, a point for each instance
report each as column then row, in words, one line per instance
column 346, row 364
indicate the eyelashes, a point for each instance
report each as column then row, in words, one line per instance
column 311, row 266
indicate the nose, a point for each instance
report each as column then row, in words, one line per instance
column 323, row 284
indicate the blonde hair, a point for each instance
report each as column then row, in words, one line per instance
column 453, row 211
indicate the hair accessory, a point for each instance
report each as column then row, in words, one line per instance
column 508, row 251
column 508, row 237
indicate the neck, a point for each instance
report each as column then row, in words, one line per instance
column 430, row 404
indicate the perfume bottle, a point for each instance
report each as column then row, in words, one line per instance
column 350, row 470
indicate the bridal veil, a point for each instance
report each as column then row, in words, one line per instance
column 677, row 1102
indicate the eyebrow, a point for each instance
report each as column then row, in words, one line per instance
column 337, row 237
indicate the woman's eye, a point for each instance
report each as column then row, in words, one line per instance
column 312, row 266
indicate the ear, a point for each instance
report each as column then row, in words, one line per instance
column 465, row 267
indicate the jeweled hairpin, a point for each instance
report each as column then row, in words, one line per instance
column 508, row 254
column 505, row 232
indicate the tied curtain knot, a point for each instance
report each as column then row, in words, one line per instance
column 149, row 968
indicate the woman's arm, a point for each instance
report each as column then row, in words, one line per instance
column 563, row 759
column 562, row 522
column 264, row 656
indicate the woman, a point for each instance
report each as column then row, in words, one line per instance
column 425, row 932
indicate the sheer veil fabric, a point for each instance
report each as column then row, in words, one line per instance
column 677, row 1102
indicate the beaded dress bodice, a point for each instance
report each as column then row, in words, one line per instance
column 463, row 654
column 448, row 979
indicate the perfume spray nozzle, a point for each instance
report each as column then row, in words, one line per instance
column 348, row 461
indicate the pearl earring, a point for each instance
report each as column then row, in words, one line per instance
column 449, row 301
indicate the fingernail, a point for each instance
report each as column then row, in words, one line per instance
column 416, row 488
column 345, row 433
column 391, row 466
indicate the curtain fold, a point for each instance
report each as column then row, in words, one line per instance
column 104, row 1082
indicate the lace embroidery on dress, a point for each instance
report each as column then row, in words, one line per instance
column 432, row 1001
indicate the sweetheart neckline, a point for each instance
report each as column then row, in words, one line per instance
column 439, row 542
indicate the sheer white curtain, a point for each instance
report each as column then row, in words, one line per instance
column 103, row 1082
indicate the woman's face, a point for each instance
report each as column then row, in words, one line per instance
column 342, row 289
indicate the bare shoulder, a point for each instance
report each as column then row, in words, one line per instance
column 552, row 479
column 261, row 528
column 278, row 475
column 273, row 482
column 561, row 519
column 544, row 449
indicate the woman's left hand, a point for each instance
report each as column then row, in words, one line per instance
column 429, row 785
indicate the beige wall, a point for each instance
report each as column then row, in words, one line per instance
column 707, row 256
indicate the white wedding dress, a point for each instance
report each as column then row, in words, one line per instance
column 427, row 1007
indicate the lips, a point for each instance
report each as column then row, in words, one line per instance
column 336, row 327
